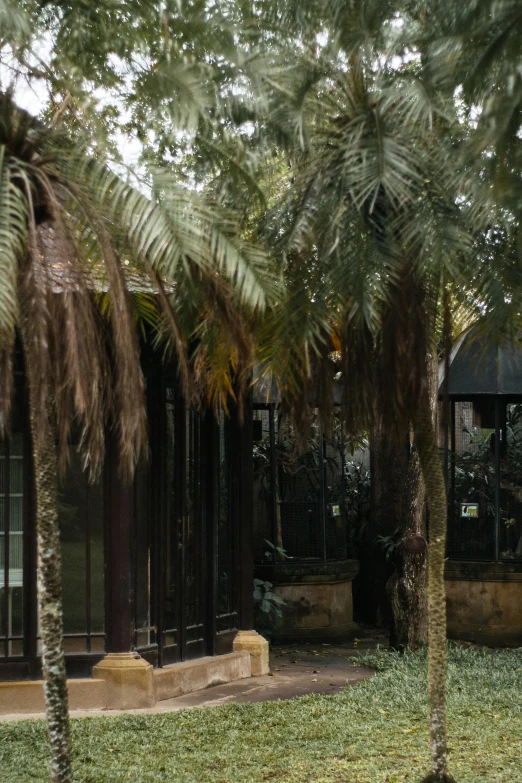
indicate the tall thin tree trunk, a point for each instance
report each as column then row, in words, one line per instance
column 431, row 467
column 389, row 458
column 49, row 580
column 408, row 585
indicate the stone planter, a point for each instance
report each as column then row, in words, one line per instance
column 484, row 602
column 318, row 600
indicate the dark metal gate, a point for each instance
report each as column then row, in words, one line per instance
column 484, row 479
column 299, row 494
column 193, row 533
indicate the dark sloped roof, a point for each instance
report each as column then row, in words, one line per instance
column 480, row 365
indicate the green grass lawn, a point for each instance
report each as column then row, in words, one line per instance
column 374, row 732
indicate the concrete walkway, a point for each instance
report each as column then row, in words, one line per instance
column 296, row 669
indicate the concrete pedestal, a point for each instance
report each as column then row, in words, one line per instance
column 318, row 600
column 484, row 602
column 128, row 681
column 257, row 646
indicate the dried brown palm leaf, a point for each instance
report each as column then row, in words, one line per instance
column 81, row 368
column 223, row 356
column 7, row 349
column 128, row 383
column 177, row 340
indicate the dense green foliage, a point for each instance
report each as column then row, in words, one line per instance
column 375, row 732
column 374, row 147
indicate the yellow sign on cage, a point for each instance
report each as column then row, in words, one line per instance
column 469, row 510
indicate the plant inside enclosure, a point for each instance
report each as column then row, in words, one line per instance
column 267, row 605
column 300, row 470
column 275, row 552
column 474, row 473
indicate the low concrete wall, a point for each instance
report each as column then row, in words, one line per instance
column 111, row 692
column 19, row 698
column 318, row 598
column 484, row 602
column 190, row 676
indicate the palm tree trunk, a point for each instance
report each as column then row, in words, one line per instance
column 408, row 585
column 389, row 459
column 437, row 504
column 49, row 580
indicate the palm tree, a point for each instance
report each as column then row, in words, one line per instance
column 70, row 231
column 373, row 200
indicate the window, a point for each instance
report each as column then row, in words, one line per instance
column 11, row 547
column 81, row 515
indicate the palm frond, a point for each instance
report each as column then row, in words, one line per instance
column 13, row 241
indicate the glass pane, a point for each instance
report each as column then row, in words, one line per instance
column 510, row 541
column 77, row 644
column 17, row 610
column 12, row 598
column 81, row 513
column 97, row 644
column 72, row 511
column 16, row 648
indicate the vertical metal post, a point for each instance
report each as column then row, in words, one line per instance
column 88, row 565
column 241, row 506
column 322, row 488
column 453, row 448
column 30, row 597
column 450, row 479
column 181, row 456
column 159, row 501
column 273, row 476
column 446, row 445
column 211, row 510
column 119, row 610
column 498, row 441
column 134, row 558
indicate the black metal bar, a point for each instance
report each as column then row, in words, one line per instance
column 134, row 558
column 273, row 476
column 233, row 520
column 211, row 514
column 322, row 488
column 181, row 488
column 88, row 565
column 450, row 476
column 498, row 448
column 30, row 591
column 453, row 447
column 197, row 530
column 231, row 448
column 241, row 500
column 446, row 446
column 159, row 504
column 119, row 609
